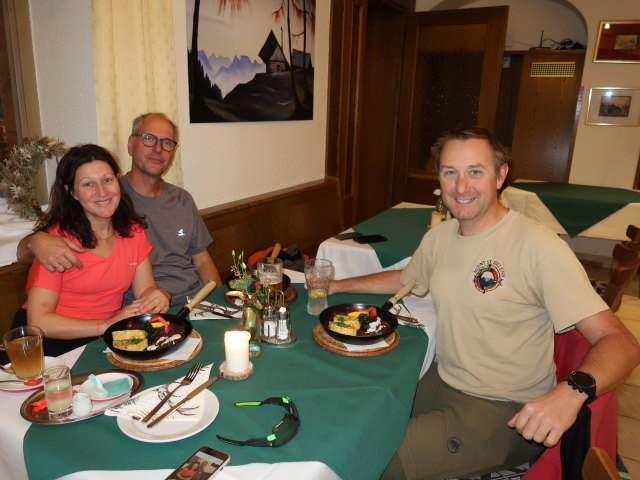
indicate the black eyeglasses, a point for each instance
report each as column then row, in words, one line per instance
column 150, row 140
column 281, row 433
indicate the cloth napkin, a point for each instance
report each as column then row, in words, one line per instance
column 138, row 406
column 199, row 313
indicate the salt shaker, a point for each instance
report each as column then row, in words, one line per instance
column 269, row 321
column 283, row 328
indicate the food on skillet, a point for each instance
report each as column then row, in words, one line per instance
column 359, row 323
column 148, row 335
column 133, row 340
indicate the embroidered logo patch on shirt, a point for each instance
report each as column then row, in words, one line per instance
column 488, row 275
column 181, row 232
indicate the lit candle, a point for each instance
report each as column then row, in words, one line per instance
column 236, row 350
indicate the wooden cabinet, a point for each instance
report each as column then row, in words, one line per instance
column 538, row 110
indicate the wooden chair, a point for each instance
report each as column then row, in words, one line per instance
column 633, row 233
column 599, row 466
column 628, row 261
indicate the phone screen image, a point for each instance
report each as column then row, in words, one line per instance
column 202, row 465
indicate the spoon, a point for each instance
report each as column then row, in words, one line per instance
column 30, row 383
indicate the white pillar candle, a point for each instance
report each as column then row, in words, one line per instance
column 236, row 350
column 436, row 218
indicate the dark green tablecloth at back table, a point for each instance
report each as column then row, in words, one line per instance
column 353, row 411
column 578, row 207
column 404, row 228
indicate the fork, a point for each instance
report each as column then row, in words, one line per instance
column 188, row 378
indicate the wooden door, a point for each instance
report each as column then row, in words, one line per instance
column 364, row 84
column 546, row 116
column 451, row 78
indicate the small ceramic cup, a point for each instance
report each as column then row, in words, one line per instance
column 81, row 404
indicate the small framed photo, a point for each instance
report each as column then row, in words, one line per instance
column 614, row 106
column 618, row 42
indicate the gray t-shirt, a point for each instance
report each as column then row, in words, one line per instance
column 176, row 231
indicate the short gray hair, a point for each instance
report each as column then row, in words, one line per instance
column 137, row 123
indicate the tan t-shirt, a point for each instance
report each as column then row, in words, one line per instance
column 499, row 296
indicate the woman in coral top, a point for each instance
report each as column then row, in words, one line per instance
column 89, row 209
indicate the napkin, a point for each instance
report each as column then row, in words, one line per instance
column 204, row 311
column 138, row 406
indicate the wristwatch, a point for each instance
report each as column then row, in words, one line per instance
column 584, row 383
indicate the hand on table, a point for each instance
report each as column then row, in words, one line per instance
column 545, row 419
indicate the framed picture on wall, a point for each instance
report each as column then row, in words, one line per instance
column 614, row 106
column 618, row 42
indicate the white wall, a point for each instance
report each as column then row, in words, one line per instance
column 223, row 162
column 603, row 155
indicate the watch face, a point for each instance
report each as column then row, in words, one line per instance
column 582, row 379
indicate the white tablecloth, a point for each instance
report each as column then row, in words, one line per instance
column 12, row 230
column 611, row 228
column 14, row 427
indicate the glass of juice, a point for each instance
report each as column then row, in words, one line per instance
column 58, row 391
column 25, row 351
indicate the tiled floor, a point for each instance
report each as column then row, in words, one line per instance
column 629, row 392
column 629, row 395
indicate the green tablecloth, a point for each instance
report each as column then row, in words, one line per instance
column 404, row 227
column 578, row 207
column 353, row 411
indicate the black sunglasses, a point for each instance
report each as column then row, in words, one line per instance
column 281, row 433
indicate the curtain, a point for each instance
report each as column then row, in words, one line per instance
column 135, row 71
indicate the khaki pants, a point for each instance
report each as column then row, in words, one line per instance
column 452, row 434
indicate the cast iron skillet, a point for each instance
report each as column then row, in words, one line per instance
column 389, row 321
column 177, row 319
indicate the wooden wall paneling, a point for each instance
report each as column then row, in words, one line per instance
column 305, row 215
column 13, row 279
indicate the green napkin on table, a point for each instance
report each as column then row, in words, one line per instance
column 578, row 207
column 404, row 227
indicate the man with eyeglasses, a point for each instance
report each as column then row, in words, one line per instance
column 180, row 260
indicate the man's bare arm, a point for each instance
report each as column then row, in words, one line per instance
column 614, row 354
column 52, row 251
column 382, row 282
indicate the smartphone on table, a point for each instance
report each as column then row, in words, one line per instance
column 203, row 464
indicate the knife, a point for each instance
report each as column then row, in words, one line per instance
column 195, row 392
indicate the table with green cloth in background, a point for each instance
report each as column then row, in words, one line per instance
column 575, row 207
column 353, row 411
column 403, row 227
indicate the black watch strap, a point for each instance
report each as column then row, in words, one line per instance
column 584, row 383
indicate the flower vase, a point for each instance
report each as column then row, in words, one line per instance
column 252, row 322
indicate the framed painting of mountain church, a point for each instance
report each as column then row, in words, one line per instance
column 250, row 60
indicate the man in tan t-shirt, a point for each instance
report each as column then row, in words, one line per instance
column 501, row 285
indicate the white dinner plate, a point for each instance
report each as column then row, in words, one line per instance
column 21, row 387
column 89, row 387
column 171, row 430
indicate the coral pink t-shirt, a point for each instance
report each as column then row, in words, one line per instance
column 96, row 291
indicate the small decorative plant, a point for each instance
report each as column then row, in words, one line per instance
column 18, row 171
column 251, row 291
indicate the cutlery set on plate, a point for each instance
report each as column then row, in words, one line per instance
column 187, row 380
